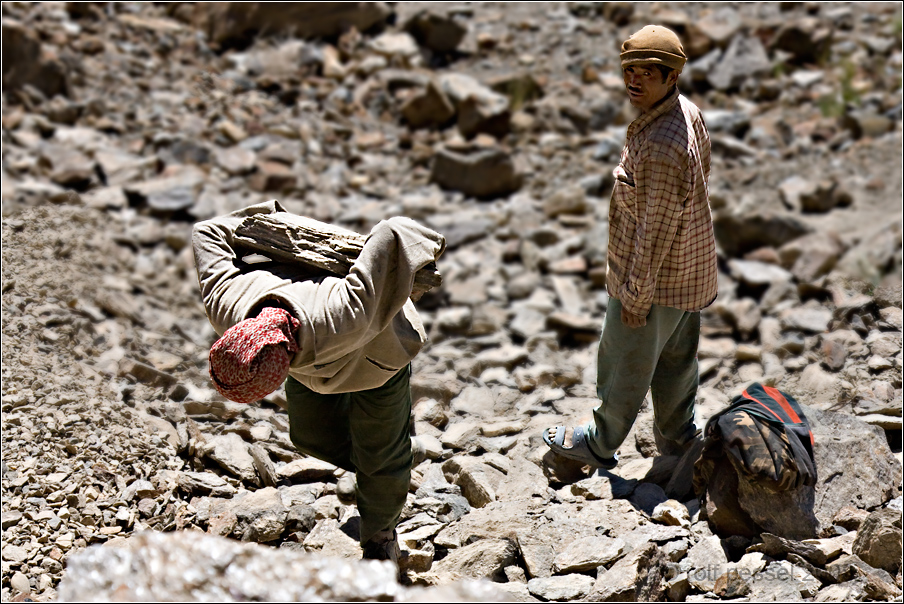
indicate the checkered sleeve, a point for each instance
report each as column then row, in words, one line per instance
column 662, row 189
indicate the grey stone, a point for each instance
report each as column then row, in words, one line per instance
column 119, row 167
column 474, row 401
column 460, row 435
column 428, row 108
column 539, row 556
column 15, row 554
column 864, row 481
column 808, row 319
column 261, row 515
column 569, row 200
column 27, row 63
column 486, row 558
column 479, row 108
column 264, row 465
column 588, row 553
column 847, row 567
column 638, row 577
column 753, row 273
column 884, row 344
column 672, row 513
column 329, row 539
column 11, row 518
column 706, row 562
column 306, row 469
column 169, row 193
column 849, row 591
column 238, row 25
column 231, row 452
column 561, row 589
column 812, row 256
column 795, row 189
column 67, row 167
column 235, row 160
column 477, row 480
column 807, row 39
column 204, row 483
column 744, row 57
column 400, row 46
column 720, row 26
column 775, row 583
column 879, row 541
column 778, row 547
column 20, row 583
column 434, row 30
column 483, row 173
column 739, row 231
column 432, row 412
column 139, row 488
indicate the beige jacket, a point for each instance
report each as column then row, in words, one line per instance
column 356, row 332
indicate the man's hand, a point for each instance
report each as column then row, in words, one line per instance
column 631, row 320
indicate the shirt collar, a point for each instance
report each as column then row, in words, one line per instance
column 648, row 118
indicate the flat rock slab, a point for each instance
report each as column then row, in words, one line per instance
column 561, row 589
column 588, row 553
column 486, row 558
column 306, row 469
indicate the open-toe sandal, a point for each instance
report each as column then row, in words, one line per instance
column 579, row 449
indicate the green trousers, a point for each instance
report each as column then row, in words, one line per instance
column 660, row 356
column 364, row 432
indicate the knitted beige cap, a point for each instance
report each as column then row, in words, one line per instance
column 654, row 44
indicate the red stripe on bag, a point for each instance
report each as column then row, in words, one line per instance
column 781, row 400
column 747, row 396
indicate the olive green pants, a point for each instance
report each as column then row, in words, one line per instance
column 660, row 357
column 365, row 432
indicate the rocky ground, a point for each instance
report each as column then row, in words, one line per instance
column 498, row 125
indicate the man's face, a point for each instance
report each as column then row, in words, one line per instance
column 645, row 86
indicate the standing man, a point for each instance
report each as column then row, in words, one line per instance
column 343, row 346
column 661, row 262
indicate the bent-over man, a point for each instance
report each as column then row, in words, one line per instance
column 342, row 345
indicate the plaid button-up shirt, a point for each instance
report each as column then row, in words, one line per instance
column 661, row 244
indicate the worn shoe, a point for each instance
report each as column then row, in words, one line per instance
column 345, row 488
column 383, row 546
column 418, row 451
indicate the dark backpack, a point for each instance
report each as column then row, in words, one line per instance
column 765, row 435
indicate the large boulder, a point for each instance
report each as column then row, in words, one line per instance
column 237, row 23
column 855, row 464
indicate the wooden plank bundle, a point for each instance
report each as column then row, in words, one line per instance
column 324, row 247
